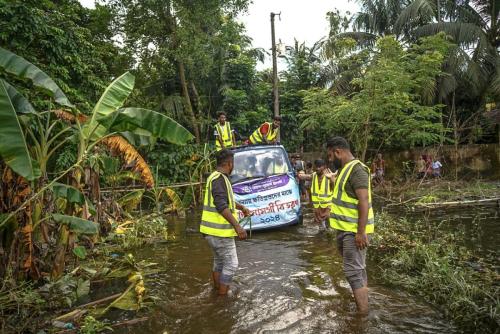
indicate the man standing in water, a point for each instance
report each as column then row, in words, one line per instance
column 219, row 222
column 352, row 216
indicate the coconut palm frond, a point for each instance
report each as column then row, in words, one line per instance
column 120, row 146
column 495, row 84
column 417, row 10
column 464, row 34
column 465, row 13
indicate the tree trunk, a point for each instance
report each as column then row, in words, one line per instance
column 187, row 101
column 365, row 140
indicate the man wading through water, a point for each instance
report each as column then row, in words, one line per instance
column 352, row 216
column 219, row 222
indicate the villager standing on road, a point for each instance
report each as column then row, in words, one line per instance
column 266, row 133
column 352, row 216
column 224, row 135
column 378, row 167
column 219, row 222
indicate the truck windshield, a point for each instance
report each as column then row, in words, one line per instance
column 255, row 163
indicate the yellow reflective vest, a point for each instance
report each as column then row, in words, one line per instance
column 344, row 210
column 226, row 134
column 212, row 222
column 258, row 138
column 321, row 193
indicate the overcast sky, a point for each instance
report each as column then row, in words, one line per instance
column 304, row 20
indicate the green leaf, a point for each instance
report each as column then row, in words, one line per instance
column 20, row 103
column 138, row 140
column 82, row 288
column 77, row 225
column 161, row 126
column 111, row 100
column 13, row 149
column 80, row 252
column 71, row 194
column 20, row 67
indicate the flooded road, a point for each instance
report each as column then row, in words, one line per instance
column 289, row 281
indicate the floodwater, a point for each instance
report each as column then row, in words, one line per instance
column 289, row 281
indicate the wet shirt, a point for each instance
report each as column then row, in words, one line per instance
column 219, row 193
column 359, row 179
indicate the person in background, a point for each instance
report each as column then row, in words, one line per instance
column 436, row 168
column 252, row 169
column 307, row 183
column 276, row 165
column 321, row 192
column 266, row 133
column 378, row 168
column 219, row 223
column 420, row 167
column 428, row 165
column 299, row 168
column 224, row 135
column 352, row 216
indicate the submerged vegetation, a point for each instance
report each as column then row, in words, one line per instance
column 432, row 263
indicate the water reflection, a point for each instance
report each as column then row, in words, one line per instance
column 289, row 281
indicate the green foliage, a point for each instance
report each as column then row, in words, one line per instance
column 72, row 44
column 429, row 262
column 390, row 105
column 174, row 162
column 14, row 150
column 77, row 225
column 93, row 326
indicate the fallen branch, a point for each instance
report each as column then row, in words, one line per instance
column 455, row 203
column 100, row 301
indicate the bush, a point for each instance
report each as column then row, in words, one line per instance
column 430, row 263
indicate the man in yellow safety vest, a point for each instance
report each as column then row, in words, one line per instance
column 219, row 222
column 266, row 133
column 352, row 216
column 224, row 135
column 321, row 191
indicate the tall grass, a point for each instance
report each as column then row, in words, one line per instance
column 425, row 260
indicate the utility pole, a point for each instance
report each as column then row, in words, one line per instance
column 276, row 96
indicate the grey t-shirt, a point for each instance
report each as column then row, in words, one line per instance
column 359, row 179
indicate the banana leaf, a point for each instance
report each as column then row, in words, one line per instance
column 71, row 194
column 139, row 140
column 20, row 103
column 111, row 100
column 13, row 148
column 77, row 225
column 160, row 126
column 20, row 67
column 131, row 200
column 174, row 198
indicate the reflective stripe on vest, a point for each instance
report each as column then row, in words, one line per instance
column 226, row 136
column 257, row 138
column 321, row 194
column 344, row 211
column 212, row 222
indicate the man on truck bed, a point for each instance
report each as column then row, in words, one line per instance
column 224, row 135
column 267, row 133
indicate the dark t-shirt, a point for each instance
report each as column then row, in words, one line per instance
column 219, row 193
column 359, row 179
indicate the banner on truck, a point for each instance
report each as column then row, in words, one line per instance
column 273, row 200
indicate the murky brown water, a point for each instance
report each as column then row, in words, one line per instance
column 289, row 281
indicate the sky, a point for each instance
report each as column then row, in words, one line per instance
column 304, row 20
